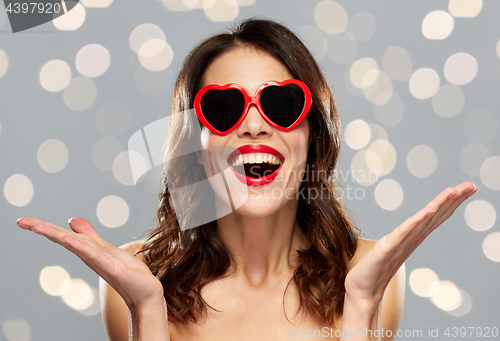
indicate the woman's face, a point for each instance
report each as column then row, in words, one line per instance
column 250, row 68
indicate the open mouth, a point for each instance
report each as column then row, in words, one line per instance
column 255, row 165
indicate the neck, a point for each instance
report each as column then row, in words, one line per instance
column 263, row 248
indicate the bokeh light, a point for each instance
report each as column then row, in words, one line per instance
column 79, row 295
column 422, row 161
column 424, row 282
column 366, row 167
column 472, row 157
column 96, row 3
column 359, row 72
column 480, row 215
column 362, row 26
column 155, row 55
column 460, row 68
column 465, row 306
column 448, row 101
column 314, row 39
column 52, row 156
column 481, row 125
column 112, row 211
column 342, row 48
column 465, row 8
column 380, row 92
column 386, row 153
column 491, row 246
column 18, row 190
column 330, row 17
column 389, row 194
column 424, row 83
column 95, row 307
column 498, row 49
column 142, row 34
column 4, row 63
column 448, row 296
column 104, row 152
column 55, row 75
column 16, row 330
column 437, row 25
column 80, row 94
column 92, row 60
column 121, row 169
column 397, row 63
column 391, row 113
column 357, row 134
column 54, row 280
column 71, row 20
column 222, row 10
column 377, row 132
column 489, row 172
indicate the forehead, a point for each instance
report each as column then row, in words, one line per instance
column 247, row 66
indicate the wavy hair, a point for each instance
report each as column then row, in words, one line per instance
column 186, row 260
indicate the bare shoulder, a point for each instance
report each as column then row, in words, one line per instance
column 114, row 311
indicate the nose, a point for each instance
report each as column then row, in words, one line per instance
column 254, row 124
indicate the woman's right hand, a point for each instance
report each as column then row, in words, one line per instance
column 128, row 275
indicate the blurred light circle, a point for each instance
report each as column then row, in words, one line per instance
column 424, row 83
column 389, row 194
column 179, row 5
column 72, row 20
column 113, row 118
column 358, row 72
column 480, row 215
column 422, row 161
column 18, row 190
column 424, row 282
column 377, row 132
column 357, row 134
column 491, row 246
column 55, row 75
column 498, row 49
column 245, row 2
column 342, row 48
column 92, row 60
column 472, row 157
column 112, row 211
column 386, row 153
column 79, row 295
column 481, row 125
column 362, row 26
column 16, row 330
column 122, row 170
column 314, row 39
column 460, row 68
column 330, row 17
column 397, row 63
column 380, row 92
column 437, row 25
column 80, row 94
column 392, row 112
column 4, row 63
column 143, row 33
column 138, row 165
column 447, row 297
column 54, row 280
column 222, row 10
column 52, row 156
column 96, row 3
column 465, row 8
column 366, row 167
column 448, row 101
column 155, row 55
column 489, row 172
column 104, row 152
column 465, row 307
column 95, row 307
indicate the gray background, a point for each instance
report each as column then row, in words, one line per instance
column 29, row 115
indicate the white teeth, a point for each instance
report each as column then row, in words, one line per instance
column 255, row 158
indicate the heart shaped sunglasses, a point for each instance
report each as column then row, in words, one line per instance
column 282, row 104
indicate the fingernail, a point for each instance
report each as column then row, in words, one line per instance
column 430, row 212
column 471, row 191
column 451, row 195
column 69, row 220
column 19, row 219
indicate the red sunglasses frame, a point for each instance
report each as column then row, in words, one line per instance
column 253, row 100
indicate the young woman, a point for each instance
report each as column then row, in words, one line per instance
column 278, row 266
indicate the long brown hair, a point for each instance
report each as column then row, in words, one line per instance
column 185, row 261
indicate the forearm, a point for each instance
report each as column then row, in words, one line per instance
column 361, row 320
column 149, row 322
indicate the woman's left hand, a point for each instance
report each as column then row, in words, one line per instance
column 369, row 278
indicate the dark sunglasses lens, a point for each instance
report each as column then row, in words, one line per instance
column 222, row 108
column 283, row 104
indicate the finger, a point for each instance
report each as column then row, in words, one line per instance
column 27, row 223
column 80, row 225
